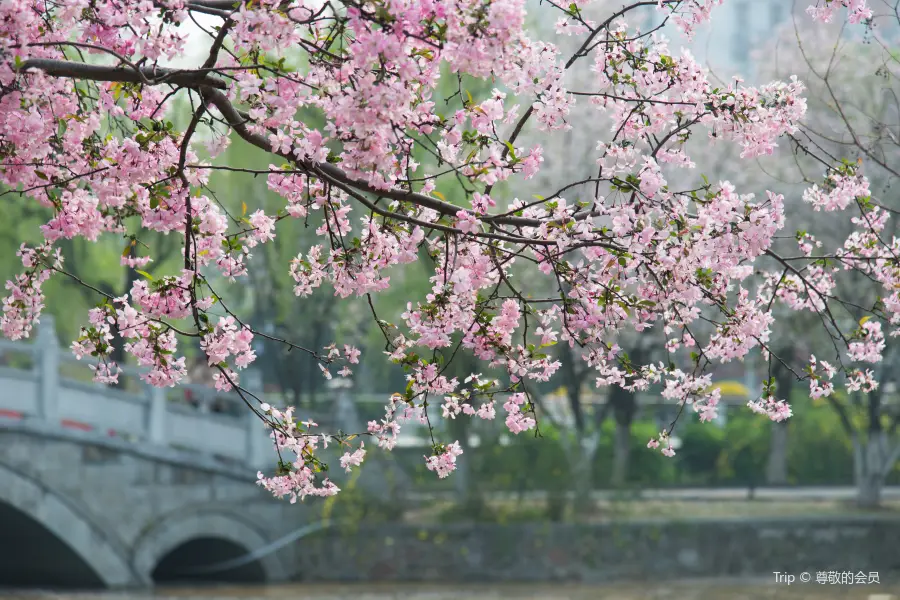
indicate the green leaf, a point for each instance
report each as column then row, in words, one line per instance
column 144, row 274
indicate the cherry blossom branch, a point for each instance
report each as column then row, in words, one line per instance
column 145, row 75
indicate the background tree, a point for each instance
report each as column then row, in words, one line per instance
column 852, row 116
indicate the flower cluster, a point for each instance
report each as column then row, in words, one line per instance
column 297, row 478
column 663, row 443
column 517, row 419
column 824, row 10
column 777, row 410
column 443, row 461
column 228, row 340
column 22, row 308
column 841, row 188
column 353, row 459
column 870, row 346
column 820, row 385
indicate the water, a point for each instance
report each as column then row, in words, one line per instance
column 704, row 590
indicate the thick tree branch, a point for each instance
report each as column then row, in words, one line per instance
column 153, row 75
column 239, row 123
column 211, row 86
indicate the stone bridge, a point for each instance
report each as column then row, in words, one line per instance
column 106, row 487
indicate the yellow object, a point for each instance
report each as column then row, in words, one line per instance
column 731, row 388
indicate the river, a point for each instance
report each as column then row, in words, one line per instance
column 702, row 590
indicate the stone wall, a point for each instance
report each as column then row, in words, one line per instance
column 631, row 551
column 135, row 506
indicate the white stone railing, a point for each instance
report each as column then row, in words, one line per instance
column 41, row 388
column 42, row 383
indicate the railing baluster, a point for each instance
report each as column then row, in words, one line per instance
column 156, row 415
column 256, row 443
column 46, row 360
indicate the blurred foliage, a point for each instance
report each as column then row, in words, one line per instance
column 733, row 454
column 730, row 455
column 645, row 467
column 742, row 450
column 354, row 507
column 820, row 452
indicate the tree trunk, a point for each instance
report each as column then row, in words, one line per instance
column 580, row 450
column 621, row 454
column 869, row 458
column 624, row 406
column 461, row 479
column 868, row 492
column 776, row 469
column 583, row 470
column 873, row 458
column 467, row 495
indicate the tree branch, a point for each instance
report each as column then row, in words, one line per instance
column 153, row 75
column 239, row 123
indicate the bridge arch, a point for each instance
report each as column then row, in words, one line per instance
column 215, row 536
column 86, row 555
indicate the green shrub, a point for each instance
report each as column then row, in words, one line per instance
column 745, row 450
column 646, row 467
column 819, row 453
column 527, row 463
column 819, row 450
column 700, row 452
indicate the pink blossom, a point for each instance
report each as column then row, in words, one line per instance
column 516, row 420
column 777, row 410
column 871, row 344
column 263, row 228
column 467, row 223
column 352, row 354
column 861, row 380
column 443, row 462
column 136, row 262
column 824, row 11
column 353, row 459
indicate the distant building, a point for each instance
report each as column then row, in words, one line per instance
column 726, row 46
column 739, row 27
